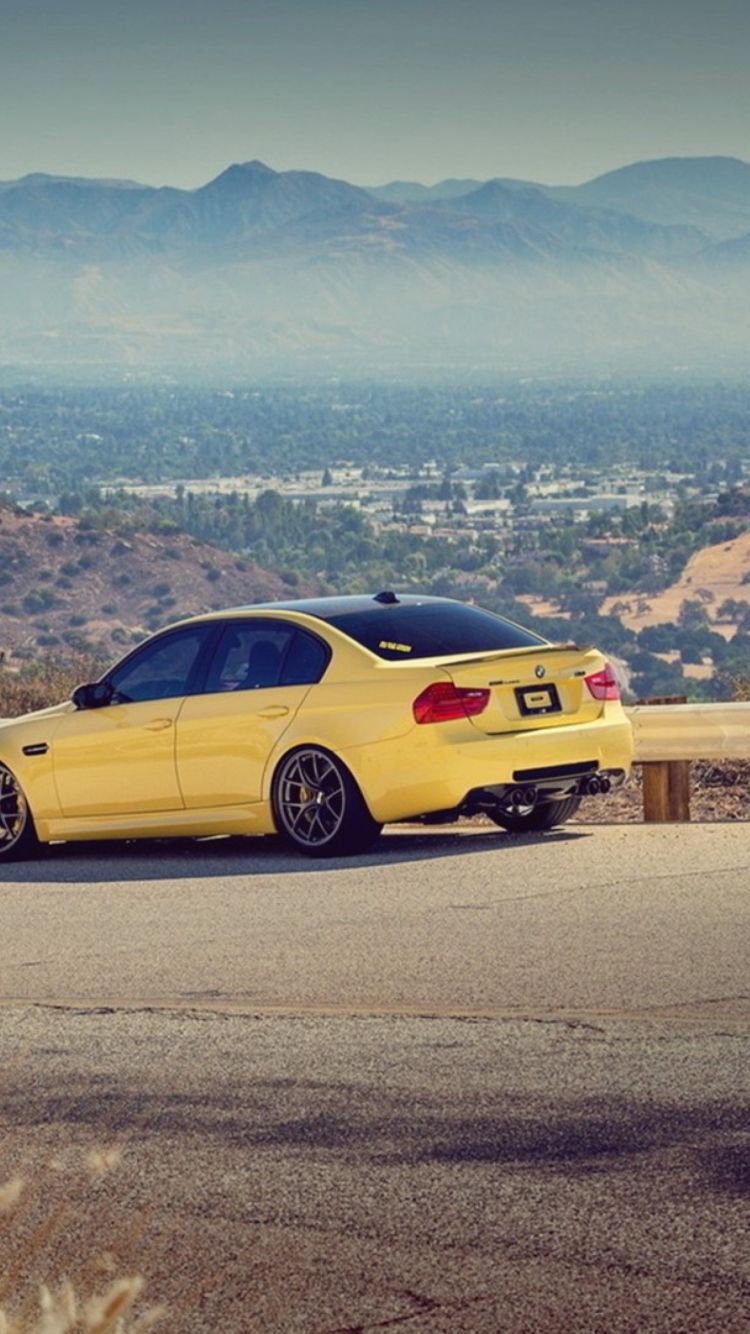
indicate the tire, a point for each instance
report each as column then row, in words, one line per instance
column 531, row 819
column 317, row 806
column 17, row 833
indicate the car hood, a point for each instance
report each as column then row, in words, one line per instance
column 54, row 711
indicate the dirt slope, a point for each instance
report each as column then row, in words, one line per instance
column 63, row 584
column 718, row 570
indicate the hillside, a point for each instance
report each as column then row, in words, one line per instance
column 711, row 576
column 65, row 585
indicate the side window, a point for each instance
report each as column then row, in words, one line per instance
column 306, row 660
column 261, row 654
column 162, row 669
column 248, row 657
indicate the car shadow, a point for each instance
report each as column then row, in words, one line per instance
column 224, row 857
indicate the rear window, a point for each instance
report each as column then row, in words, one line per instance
column 431, row 630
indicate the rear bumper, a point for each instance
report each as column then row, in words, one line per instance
column 443, row 767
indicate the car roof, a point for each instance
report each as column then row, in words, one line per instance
column 326, row 607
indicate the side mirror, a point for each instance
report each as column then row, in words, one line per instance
column 93, row 696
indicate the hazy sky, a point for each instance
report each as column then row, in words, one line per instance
column 173, row 91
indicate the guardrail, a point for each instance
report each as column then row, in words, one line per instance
column 668, row 736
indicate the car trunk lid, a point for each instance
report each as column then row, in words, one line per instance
column 541, row 686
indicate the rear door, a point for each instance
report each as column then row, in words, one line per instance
column 259, row 676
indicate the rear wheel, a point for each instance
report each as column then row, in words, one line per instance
column 545, row 815
column 318, row 807
column 17, row 833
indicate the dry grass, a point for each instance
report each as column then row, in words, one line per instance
column 62, row 1310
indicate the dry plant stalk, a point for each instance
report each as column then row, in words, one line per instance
column 61, row 1312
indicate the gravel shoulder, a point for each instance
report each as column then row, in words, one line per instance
column 718, row 792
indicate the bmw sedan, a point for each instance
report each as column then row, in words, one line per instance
column 320, row 720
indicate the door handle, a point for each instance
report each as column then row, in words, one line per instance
column 157, row 725
column 274, row 711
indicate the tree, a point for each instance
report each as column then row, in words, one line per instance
column 692, row 614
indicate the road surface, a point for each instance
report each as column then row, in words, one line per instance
column 466, row 1083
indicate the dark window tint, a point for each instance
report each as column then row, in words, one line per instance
column 431, row 630
column 260, row 654
column 306, row 661
column 162, row 669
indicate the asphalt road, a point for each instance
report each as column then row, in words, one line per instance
column 467, row 1083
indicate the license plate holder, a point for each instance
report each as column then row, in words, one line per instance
column 535, row 701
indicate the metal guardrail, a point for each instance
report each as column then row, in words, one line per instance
column 664, row 732
column 667, row 736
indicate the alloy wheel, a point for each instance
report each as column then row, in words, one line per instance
column 15, row 818
column 311, row 797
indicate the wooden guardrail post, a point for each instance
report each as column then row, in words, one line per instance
column 666, row 783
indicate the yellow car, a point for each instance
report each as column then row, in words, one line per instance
column 320, row 720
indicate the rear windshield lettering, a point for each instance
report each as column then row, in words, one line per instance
column 394, row 648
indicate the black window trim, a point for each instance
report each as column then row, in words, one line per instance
column 206, row 655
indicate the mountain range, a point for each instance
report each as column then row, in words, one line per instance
column 647, row 264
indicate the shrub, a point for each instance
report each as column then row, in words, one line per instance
column 39, row 599
column 740, row 688
column 42, row 682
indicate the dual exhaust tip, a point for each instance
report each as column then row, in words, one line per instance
column 590, row 787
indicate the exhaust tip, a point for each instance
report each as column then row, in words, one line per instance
column 523, row 796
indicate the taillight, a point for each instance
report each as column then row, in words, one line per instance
column 442, row 701
column 604, row 684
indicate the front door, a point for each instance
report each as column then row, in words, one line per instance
column 119, row 759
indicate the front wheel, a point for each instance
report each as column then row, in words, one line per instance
column 318, row 807
column 17, row 833
column 531, row 819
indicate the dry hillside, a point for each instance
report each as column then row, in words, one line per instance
column 66, row 585
column 712, row 575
